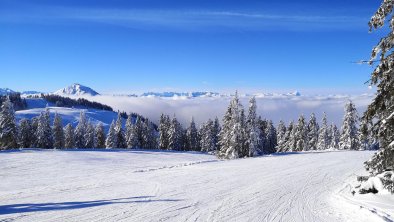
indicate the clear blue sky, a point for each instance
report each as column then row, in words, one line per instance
column 144, row 45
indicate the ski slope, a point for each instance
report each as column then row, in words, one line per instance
column 111, row 185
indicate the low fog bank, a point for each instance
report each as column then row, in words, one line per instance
column 275, row 108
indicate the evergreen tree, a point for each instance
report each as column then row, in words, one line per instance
column 381, row 110
column 281, row 136
column 290, row 138
column 34, row 126
column 138, row 139
column 301, row 135
column 216, row 131
column 313, row 133
column 89, row 136
column 80, row 131
column 207, row 136
column 25, row 132
column 164, row 127
column 100, row 136
column 253, row 130
column 322, row 142
column 349, row 137
column 175, row 135
column 111, row 142
column 334, row 137
column 8, row 127
column 150, row 141
column 44, row 131
column 271, row 140
column 192, row 137
column 58, row 132
column 232, row 135
column 119, row 133
column 69, row 136
column 129, row 132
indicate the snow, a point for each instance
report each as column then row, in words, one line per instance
column 114, row 185
column 6, row 91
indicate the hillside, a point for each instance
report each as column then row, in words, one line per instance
column 142, row 185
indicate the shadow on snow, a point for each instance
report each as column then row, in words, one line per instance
column 37, row 207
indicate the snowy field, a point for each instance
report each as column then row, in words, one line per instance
column 174, row 186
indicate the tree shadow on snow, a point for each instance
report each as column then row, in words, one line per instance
column 37, row 207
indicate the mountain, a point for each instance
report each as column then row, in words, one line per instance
column 180, row 94
column 6, row 91
column 76, row 89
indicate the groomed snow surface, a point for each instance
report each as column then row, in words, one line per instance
column 113, row 185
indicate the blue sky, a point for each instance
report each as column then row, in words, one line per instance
column 158, row 45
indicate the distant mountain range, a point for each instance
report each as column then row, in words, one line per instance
column 77, row 89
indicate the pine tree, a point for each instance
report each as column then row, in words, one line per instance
column 349, row 137
column 232, row 135
column 301, row 134
column 8, row 127
column 24, row 134
column 150, row 136
column 80, row 131
column 100, row 136
column 381, row 110
column 138, row 139
column 281, row 135
column 313, row 133
column 175, row 135
column 119, row 133
column 69, row 136
column 207, row 136
column 216, row 131
column 89, row 136
column 58, row 132
column 271, row 140
column 44, row 131
column 322, row 142
column 111, row 142
column 129, row 132
column 164, row 127
column 34, row 126
column 253, row 130
column 192, row 137
column 290, row 139
column 334, row 137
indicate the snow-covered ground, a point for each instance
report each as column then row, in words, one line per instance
column 110, row 185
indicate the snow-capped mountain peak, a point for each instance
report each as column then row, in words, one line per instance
column 6, row 91
column 76, row 89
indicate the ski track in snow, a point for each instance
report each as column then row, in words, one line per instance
column 46, row 185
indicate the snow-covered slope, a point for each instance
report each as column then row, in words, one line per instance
column 69, row 115
column 76, row 89
column 111, row 185
column 6, row 91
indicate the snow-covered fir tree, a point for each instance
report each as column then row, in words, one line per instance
column 138, row 134
column 58, row 132
column 119, row 133
column 24, row 133
column 164, row 127
column 232, row 135
column 111, row 142
column 216, row 130
column 44, row 131
column 381, row 110
column 301, row 135
column 335, row 135
column 129, row 135
column 89, row 136
column 207, row 136
column 34, row 126
column 271, row 140
column 322, row 142
column 192, row 137
column 290, row 138
column 151, row 138
column 8, row 128
column 69, row 141
column 349, row 132
column 281, row 136
column 175, row 135
column 80, row 131
column 313, row 133
column 252, row 129
column 100, row 136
